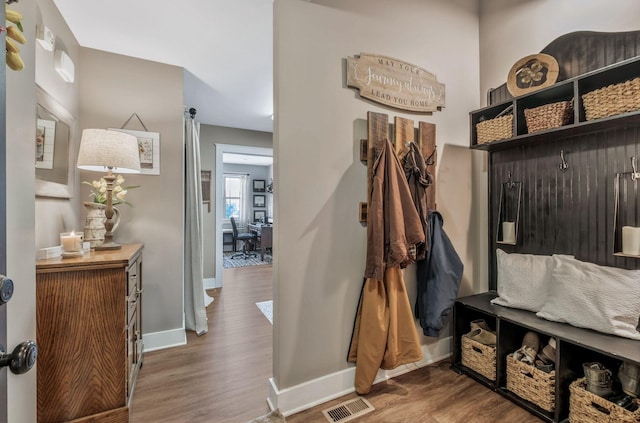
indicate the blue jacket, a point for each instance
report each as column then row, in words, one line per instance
column 439, row 276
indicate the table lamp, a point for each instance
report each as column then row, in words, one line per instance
column 111, row 151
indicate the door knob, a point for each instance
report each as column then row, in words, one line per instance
column 22, row 359
column 6, row 289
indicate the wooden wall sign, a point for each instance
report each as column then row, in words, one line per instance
column 395, row 83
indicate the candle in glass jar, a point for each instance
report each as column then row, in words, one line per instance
column 509, row 232
column 71, row 242
column 631, row 240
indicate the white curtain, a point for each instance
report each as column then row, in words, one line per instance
column 245, row 201
column 194, row 294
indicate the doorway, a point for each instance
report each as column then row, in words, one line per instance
column 221, row 150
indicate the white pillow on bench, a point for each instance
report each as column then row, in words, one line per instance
column 605, row 299
column 523, row 280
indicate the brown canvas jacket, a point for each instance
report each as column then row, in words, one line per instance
column 393, row 224
column 384, row 333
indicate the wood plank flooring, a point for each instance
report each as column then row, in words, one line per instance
column 221, row 377
column 432, row 394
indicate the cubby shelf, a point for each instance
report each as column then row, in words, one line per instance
column 540, row 175
column 573, row 345
column 569, row 89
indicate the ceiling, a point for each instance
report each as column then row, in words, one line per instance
column 224, row 46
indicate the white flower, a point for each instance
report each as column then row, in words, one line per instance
column 99, row 190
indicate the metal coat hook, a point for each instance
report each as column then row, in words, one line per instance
column 634, row 174
column 510, row 183
column 429, row 161
column 563, row 163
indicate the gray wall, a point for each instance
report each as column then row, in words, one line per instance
column 318, row 173
column 501, row 19
column 209, row 136
column 112, row 88
column 58, row 215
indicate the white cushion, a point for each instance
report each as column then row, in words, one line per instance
column 605, row 299
column 523, row 280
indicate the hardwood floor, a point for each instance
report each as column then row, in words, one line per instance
column 221, row 377
column 432, row 394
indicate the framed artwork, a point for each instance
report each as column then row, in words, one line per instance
column 205, row 180
column 45, row 136
column 55, row 148
column 149, row 146
column 259, row 185
column 259, row 201
column 259, row 215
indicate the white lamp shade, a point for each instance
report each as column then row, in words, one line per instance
column 101, row 149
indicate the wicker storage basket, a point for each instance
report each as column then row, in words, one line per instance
column 479, row 357
column 496, row 129
column 549, row 116
column 587, row 407
column 531, row 384
column 612, row 100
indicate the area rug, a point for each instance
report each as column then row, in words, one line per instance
column 228, row 262
column 266, row 307
column 273, row 417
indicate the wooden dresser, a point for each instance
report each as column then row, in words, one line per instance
column 89, row 335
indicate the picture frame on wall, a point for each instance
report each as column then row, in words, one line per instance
column 149, row 147
column 45, row 143
column 205, row 180
column 259, row 201
column 259, row 185
column 259, row 215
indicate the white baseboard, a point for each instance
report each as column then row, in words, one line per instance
column 165, row 339
column 210, row 283
column 317, row 391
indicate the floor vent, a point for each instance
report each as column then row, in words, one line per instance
column 348, row 410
